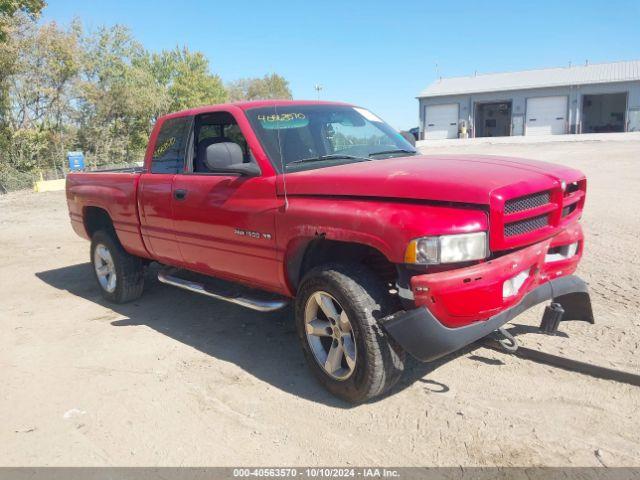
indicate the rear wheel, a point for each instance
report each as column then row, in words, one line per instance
column 119, row 274
column 337, row 309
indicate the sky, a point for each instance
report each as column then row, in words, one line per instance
column 376, row 54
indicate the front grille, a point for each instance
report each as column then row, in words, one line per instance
column 569, row 209
column 525, row 226
column 527, row 202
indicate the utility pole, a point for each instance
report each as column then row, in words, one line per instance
column 318, row 88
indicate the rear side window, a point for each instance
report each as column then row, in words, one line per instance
column 168, row 153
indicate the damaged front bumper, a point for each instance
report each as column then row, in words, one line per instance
column 456, row 308
column 424, row 337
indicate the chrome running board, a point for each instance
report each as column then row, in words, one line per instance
column 222, row 290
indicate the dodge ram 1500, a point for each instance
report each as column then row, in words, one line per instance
column 381, row 250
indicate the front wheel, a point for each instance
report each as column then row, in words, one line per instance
column 120, row 275
column 337, row 308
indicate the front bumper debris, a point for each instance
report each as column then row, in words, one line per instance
column 467, row 295
column 424, row 337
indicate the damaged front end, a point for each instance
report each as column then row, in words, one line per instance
column 457, row 307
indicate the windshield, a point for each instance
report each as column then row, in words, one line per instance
column 303, row 137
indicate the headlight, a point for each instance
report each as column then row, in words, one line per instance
column 447, row 249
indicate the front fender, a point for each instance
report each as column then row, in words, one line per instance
column 382, row 224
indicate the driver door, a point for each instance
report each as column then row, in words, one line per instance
column 225, row 222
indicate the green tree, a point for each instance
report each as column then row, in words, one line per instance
column 239, row 89
column 271, row 86
column 38, row 93
column 8, row 58
column 10, row 8
column 187, row 79
column 117, row 97
column 100, row 92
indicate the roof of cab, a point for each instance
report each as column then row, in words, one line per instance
column 246, row 105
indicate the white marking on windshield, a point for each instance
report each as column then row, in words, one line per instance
column 367, row 114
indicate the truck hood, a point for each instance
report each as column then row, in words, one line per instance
column 441, row 178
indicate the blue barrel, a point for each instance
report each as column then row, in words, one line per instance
column 76, row 160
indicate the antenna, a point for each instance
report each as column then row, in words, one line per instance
column 317, row 87
column 438, row 72
column 282, row 166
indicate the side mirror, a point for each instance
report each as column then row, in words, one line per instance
column 408, row 136
column 245, row 169
column 228, row 157
column 222, row 154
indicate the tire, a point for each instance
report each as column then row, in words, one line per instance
column 373, row 362
column 128, row 282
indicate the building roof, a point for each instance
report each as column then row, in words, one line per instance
column 542, row 78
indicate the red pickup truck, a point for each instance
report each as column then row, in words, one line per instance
column 382, row 250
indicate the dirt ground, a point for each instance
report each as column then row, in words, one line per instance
column 178, row 379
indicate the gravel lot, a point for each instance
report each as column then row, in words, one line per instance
column 179, row 379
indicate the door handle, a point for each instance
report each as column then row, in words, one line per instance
column 179, row 194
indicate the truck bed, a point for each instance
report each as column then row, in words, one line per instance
column 129, row 169
column 113, row 191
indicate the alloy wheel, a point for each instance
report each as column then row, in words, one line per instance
column 105, row 268
column 330, row 335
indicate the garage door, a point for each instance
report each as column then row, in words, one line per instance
column 546, row 116
column 441, row 121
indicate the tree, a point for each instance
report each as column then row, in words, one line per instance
column 8, row 57
column 239, row 89
column 100, row 92
column 187, row 79
column 38, row 90
column 9, row 9
column 271, row 86
column 117, row 97
column 46, row 66
column 124, row 89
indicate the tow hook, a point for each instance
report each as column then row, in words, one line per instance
column 551, row 318
column 508, row 342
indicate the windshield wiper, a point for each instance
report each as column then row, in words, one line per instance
column 320, row 158
column 386, row 152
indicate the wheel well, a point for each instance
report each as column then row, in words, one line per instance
column 321, row 251
column 95, row 219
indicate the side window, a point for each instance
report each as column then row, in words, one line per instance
column 217, row 127
column 168, row 154
column 209, row 131
column 230, row 131
column 233, row 133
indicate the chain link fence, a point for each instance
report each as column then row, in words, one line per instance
column 12, row 180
